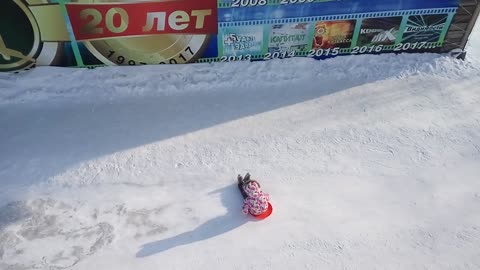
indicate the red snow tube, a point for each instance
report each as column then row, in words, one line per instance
column 266, row 213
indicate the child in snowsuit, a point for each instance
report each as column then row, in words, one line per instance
column 256, row 202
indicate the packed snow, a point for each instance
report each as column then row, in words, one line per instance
column 372, row 162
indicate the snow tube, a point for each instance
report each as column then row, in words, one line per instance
column 266, row 214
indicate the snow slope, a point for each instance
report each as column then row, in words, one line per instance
column 372, row 162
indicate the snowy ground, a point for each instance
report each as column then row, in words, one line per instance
column 372, row 162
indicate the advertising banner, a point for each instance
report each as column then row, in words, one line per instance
column 88, row 33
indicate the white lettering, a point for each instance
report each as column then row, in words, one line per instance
column 200, row 14
column 178, row 17
column 159, row 17
column 368, row 31
column 177, row 20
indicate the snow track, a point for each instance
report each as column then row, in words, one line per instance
column 372, row 162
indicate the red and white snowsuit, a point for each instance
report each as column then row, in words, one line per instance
column 256, row 202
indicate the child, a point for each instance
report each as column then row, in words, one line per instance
column 256, row 202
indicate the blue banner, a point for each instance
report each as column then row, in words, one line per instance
column 85, row 34
column 287, row 9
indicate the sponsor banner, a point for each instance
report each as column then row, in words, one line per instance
column 88, row 33
column 379, row 31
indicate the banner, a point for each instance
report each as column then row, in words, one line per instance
column 89, row 33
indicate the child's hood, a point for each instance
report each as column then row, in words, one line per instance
column 252, row 189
